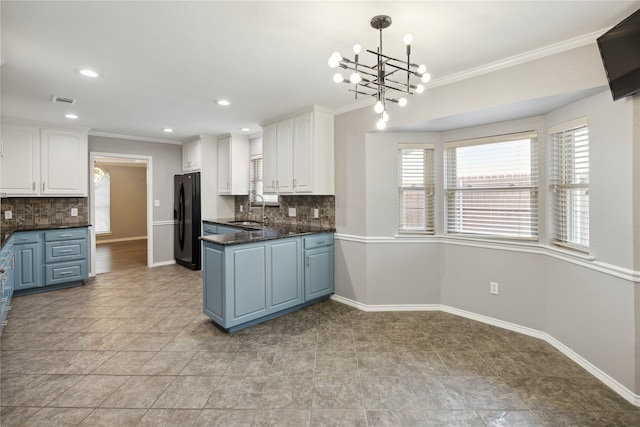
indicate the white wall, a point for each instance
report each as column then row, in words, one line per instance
column 588, row 306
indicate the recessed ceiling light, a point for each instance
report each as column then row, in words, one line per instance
column 71, row 116
column 167, row 130
column 245, row 129
column 223, row 102
column 88, row 73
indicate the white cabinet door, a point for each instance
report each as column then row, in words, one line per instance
column 269, row 166
column 19, row 160
column 303, row 153
column 233, row 165
column 224, row 166
column 63, row 162
column 284, row 156
column 192, row 156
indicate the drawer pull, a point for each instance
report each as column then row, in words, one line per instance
column 65, row 235
column 65, row 251
column 25, row 238
column 66, row 273
column 4, row 299
column 320, row 242
column 4, row 323
column 7, row 308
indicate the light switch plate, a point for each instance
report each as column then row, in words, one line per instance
column 156, row 203
column 292, row 211
column 316, row 213
column 8, row 214
column 74, row 211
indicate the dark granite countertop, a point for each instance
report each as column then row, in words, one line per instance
column 7, row 232
column 255, row 234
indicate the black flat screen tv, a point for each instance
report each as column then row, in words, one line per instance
column 620, row 51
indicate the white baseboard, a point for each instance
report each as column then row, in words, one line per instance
column 160, row 264
column 123, row 239
column 623, row 391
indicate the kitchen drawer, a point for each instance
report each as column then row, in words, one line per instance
column 318, row 240
column 27, row 237
column 63, row 251
column 65, row 272
column 65, row 234
column 208, row 229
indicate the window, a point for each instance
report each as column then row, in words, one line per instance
column 570, row 184
column 255, row 182
column 102, row 193
column 415, row 189
column 492, row 186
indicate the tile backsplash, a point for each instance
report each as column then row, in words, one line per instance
column 304, row 206
column 55, row 211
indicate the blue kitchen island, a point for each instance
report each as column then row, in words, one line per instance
column 253, row 274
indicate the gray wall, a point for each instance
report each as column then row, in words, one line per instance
column 166, row 162
column 588, row 306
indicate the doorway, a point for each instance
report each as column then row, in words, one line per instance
column 120, row 212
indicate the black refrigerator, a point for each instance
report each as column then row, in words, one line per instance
column 186, row 215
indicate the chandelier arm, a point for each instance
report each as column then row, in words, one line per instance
column 346, row 61
column 390, row 58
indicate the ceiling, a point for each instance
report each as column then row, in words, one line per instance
column 165, row 64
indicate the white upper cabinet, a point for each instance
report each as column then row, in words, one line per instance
column 63, row 162
column 20, row 160
column 298, row 154
column 233, row 165
column 43, row 162
column 192, row 156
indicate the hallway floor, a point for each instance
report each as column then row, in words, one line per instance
column 116, row 256
column 133, row 348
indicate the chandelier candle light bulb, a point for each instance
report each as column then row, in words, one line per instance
column 386, row 78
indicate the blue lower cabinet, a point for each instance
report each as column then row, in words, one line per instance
column 246, row 272
column 213, row 279
column 221, row 229
column 286, row 276
column 28, row 266
column 319, row 266
column 249, row 283
column 318, row 273
column 7, row 261
column 50, row 259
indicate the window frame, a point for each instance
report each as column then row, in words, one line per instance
column 106, row 209
column 562, row 172
column 268, row 197
column 533, row 215
column 428, row 189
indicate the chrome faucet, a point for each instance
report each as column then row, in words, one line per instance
column 263, row 217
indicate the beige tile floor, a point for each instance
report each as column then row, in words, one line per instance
column 133, row 348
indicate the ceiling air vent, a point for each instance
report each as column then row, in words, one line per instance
column 62, row 100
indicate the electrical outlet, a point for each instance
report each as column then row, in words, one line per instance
column 156, row 203
column 316, row 213
column 74, row 211
column 292, row 211
column 241, row 208
column 8, row 214
column 493, row 288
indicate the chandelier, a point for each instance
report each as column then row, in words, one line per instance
column 388, row 80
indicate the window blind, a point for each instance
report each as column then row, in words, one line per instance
column 491, row 186
column 570, row 184
column 102, row 194
column 256, row 181
column 415, row 190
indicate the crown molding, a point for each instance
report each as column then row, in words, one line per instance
column 134, row 138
